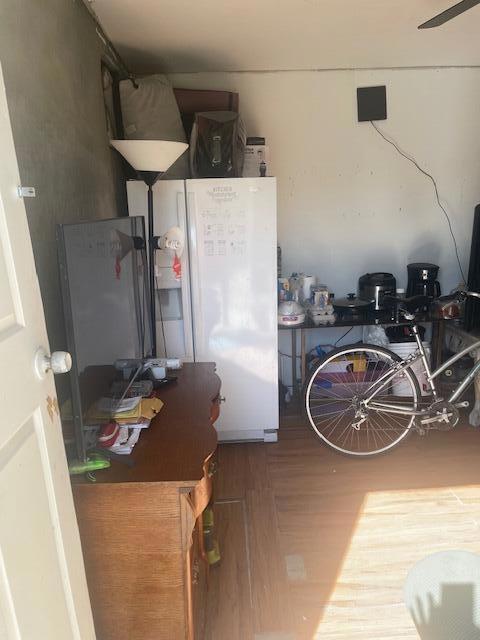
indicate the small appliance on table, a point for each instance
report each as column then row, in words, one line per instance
column 352, row 307
column 374, row 286
column 422, row 280
column 290, row 313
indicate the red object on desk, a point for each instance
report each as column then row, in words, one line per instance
column 108, row 434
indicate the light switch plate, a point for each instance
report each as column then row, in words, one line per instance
column 26, row 192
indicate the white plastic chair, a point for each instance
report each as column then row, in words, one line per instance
column 442, row 593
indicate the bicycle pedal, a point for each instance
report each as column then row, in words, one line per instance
column 433, row 419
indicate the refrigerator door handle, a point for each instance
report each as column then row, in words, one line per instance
column 195, row 288
column 185, row 279
column 180, row 210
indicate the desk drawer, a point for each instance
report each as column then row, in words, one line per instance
column 215, row 408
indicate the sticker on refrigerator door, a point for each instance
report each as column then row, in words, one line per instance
column 209, row 215
column 222, row 194
column 236, row 230
column 213, row 230
column 208, row 247
column 237, row 248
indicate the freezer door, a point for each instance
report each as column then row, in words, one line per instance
column 174, row 318
column 233, row 253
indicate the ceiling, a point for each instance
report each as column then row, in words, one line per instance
column 233, row 35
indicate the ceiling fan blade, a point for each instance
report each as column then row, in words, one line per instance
column 450, row 13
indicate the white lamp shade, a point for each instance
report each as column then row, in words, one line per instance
column 150, row 155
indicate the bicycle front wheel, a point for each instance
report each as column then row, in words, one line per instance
column 339, row 385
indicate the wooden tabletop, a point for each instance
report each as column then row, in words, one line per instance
column 179, row 438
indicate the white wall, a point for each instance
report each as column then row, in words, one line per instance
column 348, row 203
column 54, row 92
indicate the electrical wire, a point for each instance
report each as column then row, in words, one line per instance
column 425, row 173
column 159, row 307
column 287, row 355
column 344, row 336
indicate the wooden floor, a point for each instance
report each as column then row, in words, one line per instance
column 317, row 546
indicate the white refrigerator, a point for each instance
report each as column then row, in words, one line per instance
column 223, row 309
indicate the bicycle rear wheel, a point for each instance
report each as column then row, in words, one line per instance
column 335, row 391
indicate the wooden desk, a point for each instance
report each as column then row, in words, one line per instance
column 141, row 528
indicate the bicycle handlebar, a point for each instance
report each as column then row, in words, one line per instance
column 412, row 305
column 409, row 307
column 459, row 296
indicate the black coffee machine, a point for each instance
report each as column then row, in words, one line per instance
column 422, row 280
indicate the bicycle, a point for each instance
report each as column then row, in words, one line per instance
column 363, row 400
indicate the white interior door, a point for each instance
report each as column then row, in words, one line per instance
column 43, row 591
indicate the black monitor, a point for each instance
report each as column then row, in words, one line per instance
column 472, row 307
column 104, row 280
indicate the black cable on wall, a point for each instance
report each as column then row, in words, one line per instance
column 425, row 173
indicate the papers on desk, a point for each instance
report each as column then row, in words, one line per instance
column 140, row 423
column 113, row 406
column 126, row 440
column 131, row 410
column 127, row 427
column 148, row 408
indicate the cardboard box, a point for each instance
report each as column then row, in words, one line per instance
column 255, row 154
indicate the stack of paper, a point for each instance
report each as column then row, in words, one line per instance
column 130, row 427
column 126, row 440
column 113, row 406
column 107, row 409
column 147, row 409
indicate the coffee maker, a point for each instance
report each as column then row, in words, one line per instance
column 422, row 280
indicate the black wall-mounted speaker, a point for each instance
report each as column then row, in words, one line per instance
column 372, row 103
column 472, row 306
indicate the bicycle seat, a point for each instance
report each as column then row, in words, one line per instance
column 412, row 305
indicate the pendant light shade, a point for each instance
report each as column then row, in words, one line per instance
column 150, row 155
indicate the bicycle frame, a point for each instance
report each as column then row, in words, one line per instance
column 420, row 354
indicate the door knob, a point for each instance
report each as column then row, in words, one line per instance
column 58, row 362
